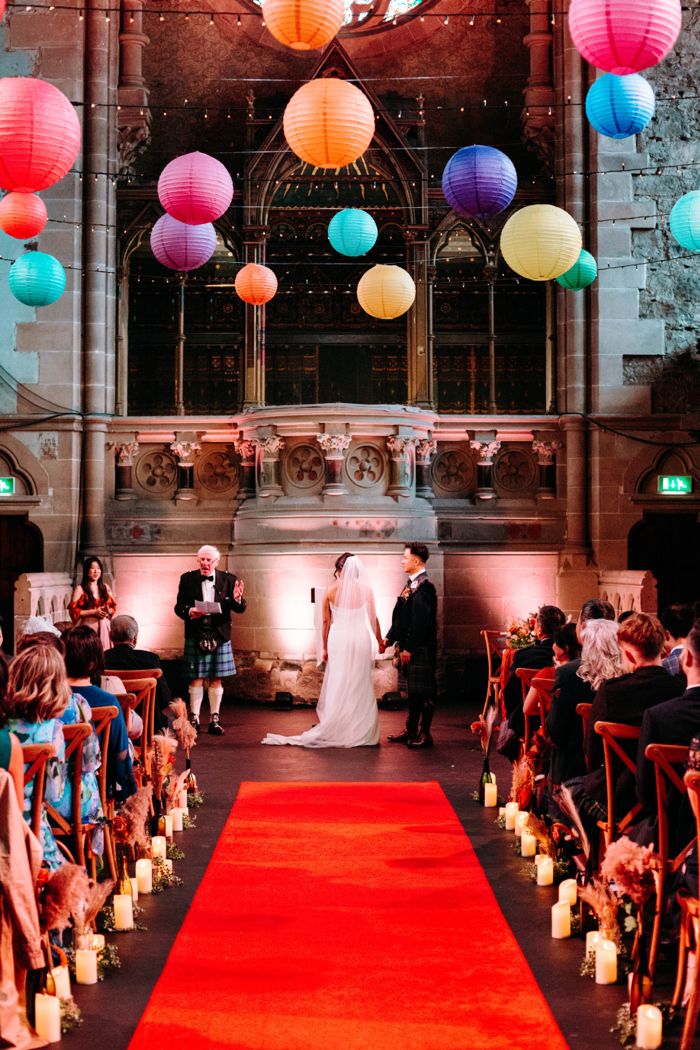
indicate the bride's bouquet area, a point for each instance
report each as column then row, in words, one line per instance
column 521, row 633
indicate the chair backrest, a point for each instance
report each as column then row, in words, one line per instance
column 584, row 711
column 138, row 673
column 611, row 733
column 75, row 736
column 127, row 702
column 35, row 758
column 491, row 648
column 691, row 780
column 145, row 693
column 665, row 757
column 526, row 675
column 102, row 718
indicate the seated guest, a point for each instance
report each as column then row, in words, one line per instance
column 625, row 615
column 566, row 648
column 124, row 656
column 624, row 699
column 676, row 721
column 548, row 620
column 83, row 649
column 37, row 694
column 676, row 621
column 10, row 747
column 110, row 683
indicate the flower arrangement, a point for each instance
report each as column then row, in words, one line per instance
column 521, row 633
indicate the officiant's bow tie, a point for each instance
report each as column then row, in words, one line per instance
column 210, row 578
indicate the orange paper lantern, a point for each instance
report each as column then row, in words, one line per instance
column 256, row 284
column 328, row 123
column 303, row 24
column 22, row 214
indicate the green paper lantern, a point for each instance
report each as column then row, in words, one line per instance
column 37, row 279
column 582, row 273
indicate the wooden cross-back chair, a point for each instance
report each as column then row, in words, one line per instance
column 35, row 758
column 665, row 757
column 584, row 711
column 690, row 917
column 73, row 828
column 612, row 732
column 138, row 673
column 526, row 676
column 493, row 686
column 102, row 718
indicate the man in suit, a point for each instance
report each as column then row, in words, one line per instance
column 414, row 632
column 676, row 621
column 124, row 656
column 549, row 620
column 208, row 652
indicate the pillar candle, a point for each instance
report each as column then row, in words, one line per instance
column 561, row 920
column 545, row 871
column 144, row 875
column 134, row 889
column 490, row 796
column 182, row 799
column 592, row 938
column 86, row 967
column 520, row 818
column 501, row 811
column 98, row 940
column 528, row 844
column 47, row 1021
column 511, row 810
column 176, row 815
column 567, row 891
column 158, row 845
column 61, row 977
column 605, row 962
column 649, row 1027
column 123, row 911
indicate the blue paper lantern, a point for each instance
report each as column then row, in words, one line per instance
column 582, row 273
column 685, row 221
column 479, row 181
column 352, row 231
column 620, row 106
column 37, row 279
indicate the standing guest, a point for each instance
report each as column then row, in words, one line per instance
column 92, row 604
column 10, row 747
column 37, row 694
column 414, row 633
column 208, row 652
column 124, row 656
column 677, row 622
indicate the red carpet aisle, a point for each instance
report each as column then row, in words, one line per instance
column 345, row 917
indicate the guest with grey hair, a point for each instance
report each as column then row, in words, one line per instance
column 124, row 656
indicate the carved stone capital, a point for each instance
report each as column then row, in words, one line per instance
column 334, row 444
column 270, row 446
column 185, row 448
column 485, row 450
column 245, row 448
column 425, row 449
column 398, row 445
column 124, row 451
column 546, row 451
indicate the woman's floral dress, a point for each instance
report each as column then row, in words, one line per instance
column 50, row 732
column 79, row 710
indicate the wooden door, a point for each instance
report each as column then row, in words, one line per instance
column 20, row 551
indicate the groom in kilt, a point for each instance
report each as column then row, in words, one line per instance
column 413, row 632
column 208, row 653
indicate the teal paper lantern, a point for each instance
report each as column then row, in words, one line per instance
column 620, row 106
column 352, row 232
column 582, row 273
column 685, row 221
column 37, row 279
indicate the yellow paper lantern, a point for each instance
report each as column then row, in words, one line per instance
column 386, row 292
column 303, row 24
column 541, row 242
column 328, row 123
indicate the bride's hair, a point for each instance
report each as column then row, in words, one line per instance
column 339, row 564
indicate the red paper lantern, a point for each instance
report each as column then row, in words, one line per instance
column 2, row 8
column 195, row 188
column 22, row 214
column 256, row 284
column 39, row 134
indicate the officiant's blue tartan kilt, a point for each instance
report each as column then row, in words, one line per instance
column 196, row 664
column 419, row 676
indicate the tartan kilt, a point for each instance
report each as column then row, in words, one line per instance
column 196, row 664
column 419, row 677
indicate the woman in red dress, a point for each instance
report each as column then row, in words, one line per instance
column 92, row 604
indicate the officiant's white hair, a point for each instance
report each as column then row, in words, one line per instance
column 208, row 549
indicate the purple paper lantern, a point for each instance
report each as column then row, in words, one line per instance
column 479, row 181
column 180, row 246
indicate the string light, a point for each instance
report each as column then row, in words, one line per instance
column 471, row 20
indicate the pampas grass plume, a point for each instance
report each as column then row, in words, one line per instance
column 186, row 734
column 130, row 830
column 63, row 895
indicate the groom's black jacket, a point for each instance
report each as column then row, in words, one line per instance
column 414, row 619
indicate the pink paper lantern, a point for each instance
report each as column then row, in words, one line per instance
column 195, row 188
column 180, row 246
column 39, row 134
column 624, row 36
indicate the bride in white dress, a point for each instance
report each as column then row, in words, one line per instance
column 347, row 708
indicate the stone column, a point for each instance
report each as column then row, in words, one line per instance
column 185, row 446
column 334, row 447
column 420, row 363
column 246, row 450
column 425, row 449
column 133, row 116
column 254, row 349
column 124, row 450
column 538, row 115
column 270, row 445
column 546, row 456
column 486, row 447
column 400, row 445
column 576, row 430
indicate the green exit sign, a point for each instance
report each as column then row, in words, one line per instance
column 674, row 484
column 7, row 486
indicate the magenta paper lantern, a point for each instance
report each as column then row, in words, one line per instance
column 195, row 188
column 180, row 246
column 624, row 36
column 39, row 134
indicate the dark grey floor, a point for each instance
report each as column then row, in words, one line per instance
column 584, row 1011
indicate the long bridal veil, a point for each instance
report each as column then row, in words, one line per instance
column 347, row 708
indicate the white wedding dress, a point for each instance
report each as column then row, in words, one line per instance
column 347, row 708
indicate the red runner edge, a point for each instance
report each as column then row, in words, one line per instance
column 342, row 916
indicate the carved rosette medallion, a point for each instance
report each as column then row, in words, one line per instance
column 304, row 466
column 217, row 473
column 453, row 472
column 156, row 473
column 515, row 471
column 365, row 466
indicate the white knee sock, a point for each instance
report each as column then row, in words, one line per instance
column 215, row 693
column 196, row 694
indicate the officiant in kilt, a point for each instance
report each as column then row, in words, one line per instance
column 208, row 655
column 414, row 634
